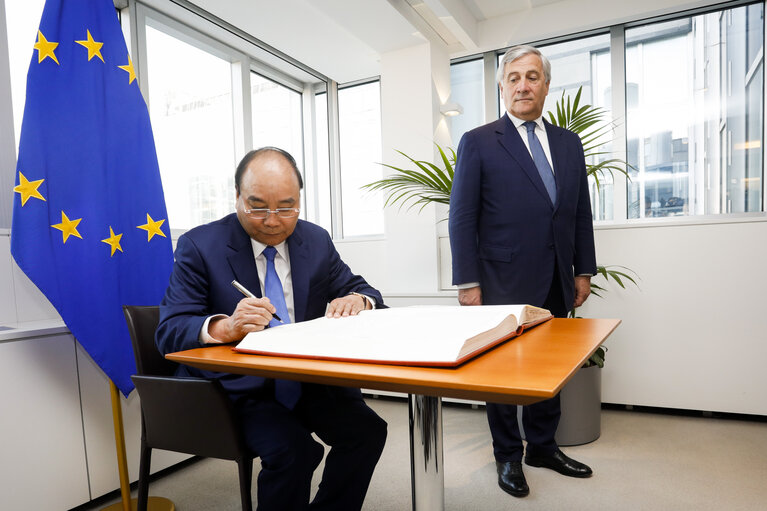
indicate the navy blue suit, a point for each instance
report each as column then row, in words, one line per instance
column 506, row 234
column 207, row 259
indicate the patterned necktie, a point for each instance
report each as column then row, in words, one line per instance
column 541, row 162
column 286, row 392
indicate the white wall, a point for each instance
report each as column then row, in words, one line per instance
column 414, row 82
column 694, row 335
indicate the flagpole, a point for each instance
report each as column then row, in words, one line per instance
column 126, row 503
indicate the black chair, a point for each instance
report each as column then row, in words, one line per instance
column 189, row 415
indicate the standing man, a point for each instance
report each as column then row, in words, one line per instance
column 295, row 272
column 521, row 232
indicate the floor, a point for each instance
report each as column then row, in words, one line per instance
column 643, row 460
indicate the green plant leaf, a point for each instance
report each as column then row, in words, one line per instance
column 592, row 124
column 420, row 186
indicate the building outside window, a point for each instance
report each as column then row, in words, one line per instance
column 190, row 104
column 694, row 94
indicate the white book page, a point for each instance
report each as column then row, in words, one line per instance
column 402, row 334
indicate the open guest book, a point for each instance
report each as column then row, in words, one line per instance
column 443, row 336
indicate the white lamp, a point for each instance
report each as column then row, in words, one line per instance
column 451, row 109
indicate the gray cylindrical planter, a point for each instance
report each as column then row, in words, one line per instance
column 581, row 401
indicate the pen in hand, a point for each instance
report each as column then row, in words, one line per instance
column 242, row 289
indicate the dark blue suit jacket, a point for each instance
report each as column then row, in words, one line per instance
column 504, row 231
column 210, row 256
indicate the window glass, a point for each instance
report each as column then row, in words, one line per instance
column 466, row 89
column 584, row 63
column 22, row 18
column 694, row 114
column 276, row 117
column 322, row 163
column 359, row 118
column 190, row 104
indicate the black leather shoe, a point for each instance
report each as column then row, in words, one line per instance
column 561, row 463
column 511, row 479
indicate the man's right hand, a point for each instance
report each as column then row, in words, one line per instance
column 470, row 296
column 251, row 315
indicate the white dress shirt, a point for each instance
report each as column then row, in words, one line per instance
column 540, row 132
column 281, row 265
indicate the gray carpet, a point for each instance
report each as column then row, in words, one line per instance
column 642, row 461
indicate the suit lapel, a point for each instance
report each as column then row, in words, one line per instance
column 241, row 259
column 509, row 138
column 299, row 272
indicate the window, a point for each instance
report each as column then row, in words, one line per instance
column 695, row 114
column 190, row 104
column 276, row 117
column 22, row 21
column 359, row 121
column 585, row 63
column 466, row 88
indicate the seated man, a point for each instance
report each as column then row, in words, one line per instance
column 295, row 271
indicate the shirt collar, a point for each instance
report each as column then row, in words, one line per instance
column 519, row 122
column 259, row 247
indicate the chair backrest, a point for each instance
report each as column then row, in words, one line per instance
column 142, row 324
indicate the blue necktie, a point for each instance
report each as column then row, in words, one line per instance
column 541, row 162
column 286, row 392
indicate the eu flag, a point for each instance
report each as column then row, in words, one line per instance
column 89, row 221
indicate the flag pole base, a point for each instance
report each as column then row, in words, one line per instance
column 153, row 504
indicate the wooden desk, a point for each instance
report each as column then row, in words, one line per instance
column 527, row 369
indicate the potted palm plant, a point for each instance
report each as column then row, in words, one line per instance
column 428, row 183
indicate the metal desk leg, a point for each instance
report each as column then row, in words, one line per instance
column 426, row 464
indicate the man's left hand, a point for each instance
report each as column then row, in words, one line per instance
column 582, row 289
column 349, row 305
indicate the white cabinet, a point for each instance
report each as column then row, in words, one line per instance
column 57, row 446
column 41, row 430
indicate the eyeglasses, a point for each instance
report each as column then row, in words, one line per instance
column 261, row 213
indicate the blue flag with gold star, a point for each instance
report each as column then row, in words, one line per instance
column 89, row 219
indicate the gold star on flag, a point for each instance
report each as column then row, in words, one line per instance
column 28, row 189
column 94, row 47
column 68, row 227
column 45, row 48
column 152, row 227
column 129, row 68
column 113, row 241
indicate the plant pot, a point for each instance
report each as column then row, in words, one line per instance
column 581, row 402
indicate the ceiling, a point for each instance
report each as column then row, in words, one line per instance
column 343, row 39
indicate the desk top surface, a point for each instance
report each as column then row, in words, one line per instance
column 522, row 370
